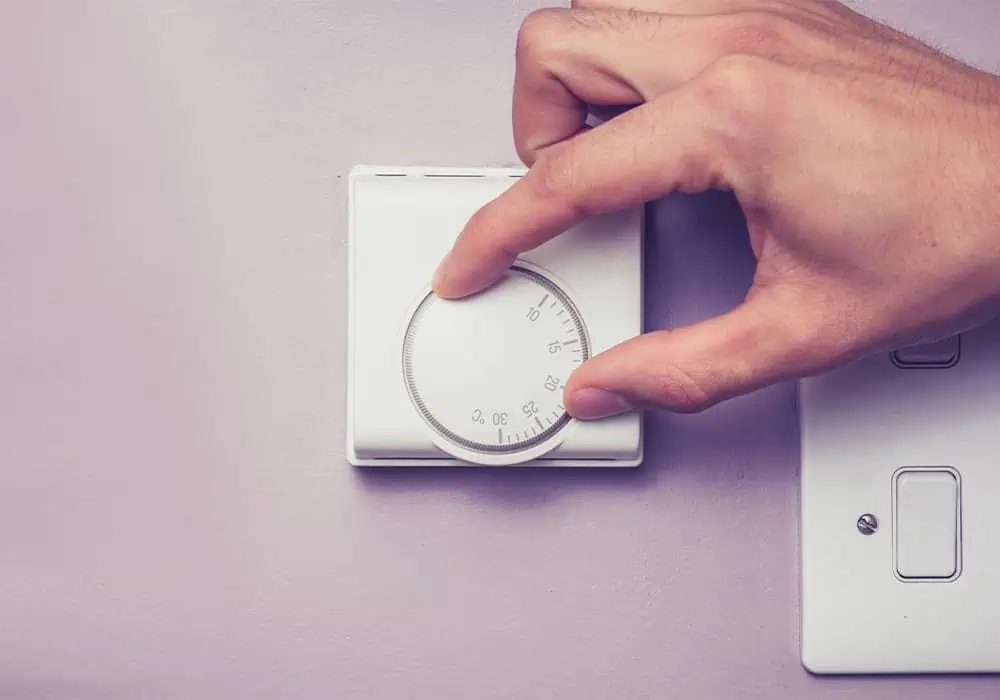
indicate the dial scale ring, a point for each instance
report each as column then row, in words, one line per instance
column 487, row 373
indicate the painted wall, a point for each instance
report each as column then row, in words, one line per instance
column 176, row 517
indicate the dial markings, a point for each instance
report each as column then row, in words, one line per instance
column 515, row 332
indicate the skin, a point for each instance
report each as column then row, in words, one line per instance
column 866, row 164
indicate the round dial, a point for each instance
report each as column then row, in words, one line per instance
column 487, row 372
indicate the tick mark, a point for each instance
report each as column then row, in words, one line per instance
column 544, row 298
column 566, row 321
column 553, row 305
column 561, row 312
column 500, row 434
column 549, row 420
column 570, row 342
column 539, row 423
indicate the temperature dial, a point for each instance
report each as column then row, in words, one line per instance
column 487, row 372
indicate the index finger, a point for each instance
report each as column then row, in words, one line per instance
column 638, row 156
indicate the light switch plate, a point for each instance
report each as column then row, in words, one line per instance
column 909, row 439
column 480, row 381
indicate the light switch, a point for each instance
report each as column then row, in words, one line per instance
column 480, row 380
column 927, row 506
column 899, row 522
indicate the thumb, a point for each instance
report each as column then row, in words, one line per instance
column 689, row 369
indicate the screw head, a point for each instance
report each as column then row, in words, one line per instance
column 867, row 524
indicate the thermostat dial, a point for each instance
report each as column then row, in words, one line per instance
column 487, row 372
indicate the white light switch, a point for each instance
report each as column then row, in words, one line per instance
column 900, row 561
column 927, row 524
column 480, row 380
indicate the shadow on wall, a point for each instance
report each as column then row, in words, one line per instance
column 698, row 264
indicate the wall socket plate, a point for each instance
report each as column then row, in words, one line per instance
column 480, row 381
column 900, row 529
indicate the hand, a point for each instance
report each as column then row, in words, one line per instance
column 865, row 162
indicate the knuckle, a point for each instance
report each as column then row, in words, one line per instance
column 738, row 91
column 734, row 77
column 761, row 33
column 554, row 175
column 677, row 390
column 535, row 37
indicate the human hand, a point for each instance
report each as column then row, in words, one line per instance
column 864, row 161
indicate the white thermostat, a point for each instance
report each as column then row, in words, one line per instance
column 480, row 380
column 900, row 530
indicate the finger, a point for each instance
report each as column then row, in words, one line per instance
column 570, row 61
column 692, row 368
column 651, row 150
column 559, row 78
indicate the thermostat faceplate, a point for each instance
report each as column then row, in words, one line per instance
column 480, row 380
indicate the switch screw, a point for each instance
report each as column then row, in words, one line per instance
column 867, row 524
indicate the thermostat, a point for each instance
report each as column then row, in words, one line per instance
column 899, row 522
column 480, row 380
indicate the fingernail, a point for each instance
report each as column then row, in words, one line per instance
column 589, row 404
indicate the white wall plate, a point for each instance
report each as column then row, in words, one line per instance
column 910, row 438
column 479, row 381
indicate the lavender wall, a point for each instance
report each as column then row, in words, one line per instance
column 176, row 516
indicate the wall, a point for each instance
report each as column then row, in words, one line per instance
column 176, row 517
